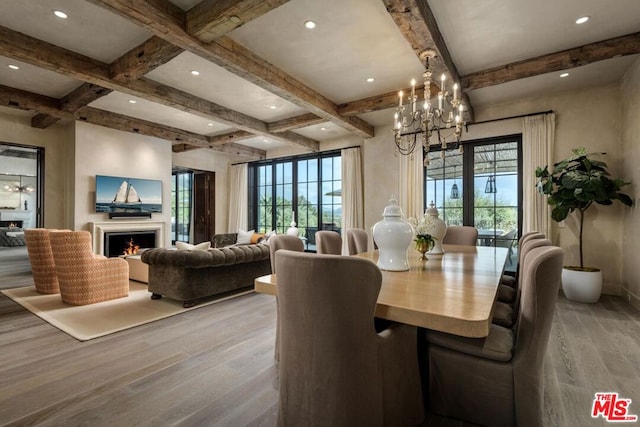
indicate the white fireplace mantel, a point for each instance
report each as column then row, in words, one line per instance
column 98, row 229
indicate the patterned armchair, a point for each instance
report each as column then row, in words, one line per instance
column 86, row 278
column 41, row 258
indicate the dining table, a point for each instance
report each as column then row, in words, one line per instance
column 454, row 292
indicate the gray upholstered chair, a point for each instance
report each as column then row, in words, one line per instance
column 461, row 235
column 277, row 242
column 357, row 241
column 328, row 242
column 504, row 313
column 511, row 280
column 42, row 265
column 335, row 370
column 498, row 380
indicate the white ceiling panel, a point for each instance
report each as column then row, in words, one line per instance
column 33, row 79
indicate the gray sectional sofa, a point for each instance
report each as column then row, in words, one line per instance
column 188, row 275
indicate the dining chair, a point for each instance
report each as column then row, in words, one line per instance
column 504, row 313
column 357, row 241
column 277, row 242
column 335, row 370
column 328, row 242
column 498, row 380
column 511, row 280
column 42, row 265
column 86, row 278
column 461, row 235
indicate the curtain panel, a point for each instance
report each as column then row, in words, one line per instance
column 238, row 198
column 538, row 139
column 411, row 183
column 352, row 192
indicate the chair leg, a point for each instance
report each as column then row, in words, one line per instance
column 156, row 296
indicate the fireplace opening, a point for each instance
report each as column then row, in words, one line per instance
column 128, row 242
column 11, row 224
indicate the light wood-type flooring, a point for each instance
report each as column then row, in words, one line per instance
column 214, row 366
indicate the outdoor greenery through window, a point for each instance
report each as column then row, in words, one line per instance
column 308, row 187
column 481, row 188
column 181, row 183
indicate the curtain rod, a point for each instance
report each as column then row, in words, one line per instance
column 512, row 117
column 291, row 157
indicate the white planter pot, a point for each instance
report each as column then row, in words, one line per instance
column 582, row 286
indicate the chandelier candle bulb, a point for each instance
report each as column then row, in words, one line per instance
column 400, row 95
column 455, row 91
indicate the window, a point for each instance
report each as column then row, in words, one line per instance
column 181, row 200
column 308, row 187
column 482, row 188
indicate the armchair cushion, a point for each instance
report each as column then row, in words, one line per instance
column 498, row 345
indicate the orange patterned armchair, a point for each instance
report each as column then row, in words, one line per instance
column 86, row 278
column 41, row 258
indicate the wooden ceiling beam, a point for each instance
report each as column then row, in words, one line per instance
column 45, row 55
column 29, row 101
column 211, row 19
column 558, row 61
column 82, row 96
column 162, row 19
column 143, row 59
column 296, row 122
column 231, row 137
column 417, row 24
column 143, row 127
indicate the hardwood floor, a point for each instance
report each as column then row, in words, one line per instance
column 214, row 365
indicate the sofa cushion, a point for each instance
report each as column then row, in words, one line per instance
column 244, row 237
column 214, row 257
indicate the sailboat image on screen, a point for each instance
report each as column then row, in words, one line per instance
column 126, row 197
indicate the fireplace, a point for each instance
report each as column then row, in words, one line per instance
column 11, row 224
column 109, row 237
column 128, row 242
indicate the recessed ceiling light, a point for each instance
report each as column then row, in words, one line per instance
column 564, row 75
column 272, row 107
column 323, row 128
column 310, row 25
column 132, row 101
column 209, row 124
column 370, row 79
column 60, row 14
column 266, row 141
column 582, row 20
column 195, row 72
column 14, row 67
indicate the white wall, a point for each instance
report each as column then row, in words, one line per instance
column 57, row 140
column 104, row 151
column 630, row 151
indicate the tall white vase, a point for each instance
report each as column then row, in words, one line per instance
column 393, row 236
column 437, row 229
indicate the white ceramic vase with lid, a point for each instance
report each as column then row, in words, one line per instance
column 393, row 235
column 437, row 229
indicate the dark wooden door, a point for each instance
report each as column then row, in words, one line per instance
column 204, row 206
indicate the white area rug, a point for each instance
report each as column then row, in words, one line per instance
column 95, row 320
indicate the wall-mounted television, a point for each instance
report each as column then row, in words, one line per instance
column 116, row 194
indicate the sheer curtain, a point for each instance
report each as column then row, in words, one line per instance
column 537, row 151
column 238, row 198
column 410, row 194
column 352, row 193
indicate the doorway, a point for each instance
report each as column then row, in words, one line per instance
column 21, row 184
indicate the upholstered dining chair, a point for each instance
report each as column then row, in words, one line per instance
column 42, row 265
column 504, row 313
column 335, row 370
column 328, row 242
column 498, row 380
column 357, row 241
column 511, row 280
column 461, row 235
column 277, row 242
column 86, row 278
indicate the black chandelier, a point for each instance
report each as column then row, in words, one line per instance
column 414, row 122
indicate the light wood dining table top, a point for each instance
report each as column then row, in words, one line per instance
column 454, row 292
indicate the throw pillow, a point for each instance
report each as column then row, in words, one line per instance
column 267, row 236
column 244, row 237
column 257, row 237
column 181, row 246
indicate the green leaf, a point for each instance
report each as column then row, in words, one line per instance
column 625, row 199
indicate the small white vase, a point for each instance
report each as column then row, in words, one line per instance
column 580, row 285
column 437, row 230
column 393, row 236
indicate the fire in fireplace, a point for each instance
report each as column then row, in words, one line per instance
column 128, row 242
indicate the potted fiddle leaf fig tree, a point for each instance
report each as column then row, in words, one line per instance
column 574, row 185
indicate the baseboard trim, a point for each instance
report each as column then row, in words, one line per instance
column 631, row 298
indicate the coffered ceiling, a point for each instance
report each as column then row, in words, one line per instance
column 266, row 81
